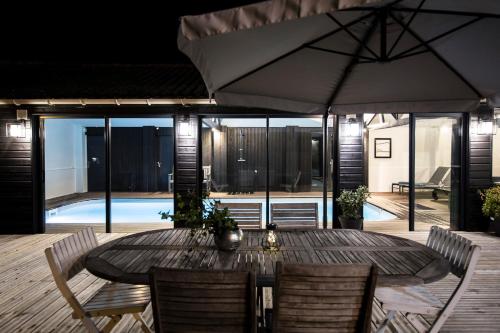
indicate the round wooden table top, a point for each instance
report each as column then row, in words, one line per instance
column 400, row 261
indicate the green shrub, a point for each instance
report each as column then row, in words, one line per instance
column 351, row 202
column 491, row 202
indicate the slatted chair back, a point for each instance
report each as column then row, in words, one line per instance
column 295, row 215
column 203, row 301
column 70, row 252
column 439, row 175
column 247, row 214
column 455, row 248
column 65, row 260
column 320, row 298
column 463, row 257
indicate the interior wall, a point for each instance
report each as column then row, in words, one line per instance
column 65, row 158
column 496, row 153
column 382, row 172
column 432, row 149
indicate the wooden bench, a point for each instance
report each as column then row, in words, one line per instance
column 247, row 214
column 295, row 215
column 412, row 301
column 113, row 300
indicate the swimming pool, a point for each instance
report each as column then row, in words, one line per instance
column 146, row 210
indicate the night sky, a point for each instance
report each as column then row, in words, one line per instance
column 102, row 33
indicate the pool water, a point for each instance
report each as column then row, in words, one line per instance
column 147, row 210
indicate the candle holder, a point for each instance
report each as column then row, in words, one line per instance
column 271, row 240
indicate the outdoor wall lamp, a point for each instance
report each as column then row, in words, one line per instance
column 185, row 127
column 16, row 130
column 351, row 128
column 484, row 126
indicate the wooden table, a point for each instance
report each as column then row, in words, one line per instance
column 400, row 261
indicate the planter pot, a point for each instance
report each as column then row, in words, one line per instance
column 496, row 225
column 351, row 223
column 229, row 240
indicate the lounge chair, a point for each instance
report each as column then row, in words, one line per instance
column 436, row 181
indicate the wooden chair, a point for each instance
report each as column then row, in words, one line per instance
column 411, row 301
column 203, row 301
column 295, row 182
column 295, row 215
column 247, row 214
column 323, row 298
column 113, row 300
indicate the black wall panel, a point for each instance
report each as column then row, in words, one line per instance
column 16, row 186
column 479, row 170
column 351, row 158
column 187, row 166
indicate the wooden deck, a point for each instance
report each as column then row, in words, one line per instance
column 30, row 302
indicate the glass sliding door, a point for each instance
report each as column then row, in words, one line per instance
column 496, row 147
column 234, row 166
column 142, row 169
column 387, row 160
column 74, row 173
column 330, row 169
column 296, row 172
column 438, row 155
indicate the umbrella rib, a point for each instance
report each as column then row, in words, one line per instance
column 339, row 52
column 433, row 39
column 410, row 54
column 326, row 35
column 351, row 34
column 405, row 27
column 438, row 56
column 446, row 12
column 353, row 62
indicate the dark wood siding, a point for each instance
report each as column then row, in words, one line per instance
column 187, row 168
column 16, row 186
column 479, row 162
column 351, row 159
column 135, row 153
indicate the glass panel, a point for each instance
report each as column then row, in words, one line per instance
column 437, row 171
column 234, row 166
column 141, row 173
column 388, row 176
column 74, row 174
column 331, row 167
column 496, row 148
column 295, row 172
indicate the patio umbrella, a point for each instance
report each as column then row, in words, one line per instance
column 351, row 55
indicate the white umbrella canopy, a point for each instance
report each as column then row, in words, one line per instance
column 350, row 56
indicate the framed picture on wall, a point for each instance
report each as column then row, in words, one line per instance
column 383, row 148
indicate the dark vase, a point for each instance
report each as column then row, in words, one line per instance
column 351, row 223
column 229, row 240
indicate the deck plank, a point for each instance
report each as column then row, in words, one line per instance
column 30, row 301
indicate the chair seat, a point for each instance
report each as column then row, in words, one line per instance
column 415, row 299
column 117, row 299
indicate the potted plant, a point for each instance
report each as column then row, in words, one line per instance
column 203, row 217
column 218, row 222
column 491, row 207
column 351, row 204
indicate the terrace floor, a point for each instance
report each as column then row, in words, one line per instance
column 30, row 302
